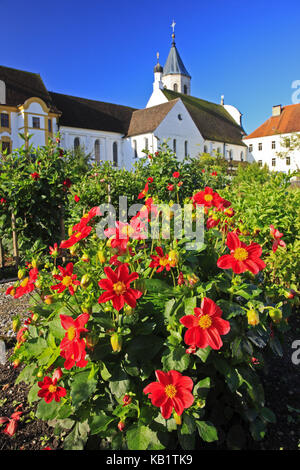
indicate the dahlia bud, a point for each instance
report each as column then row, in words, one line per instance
column 276, row 315
column 48, row 299
column 177, row 418
column 21, row 273
column 91, row 340
column 121, row 426
column 85, row 281
column 16, row 363
column 127, row 400
column 57, row 374
column 34, row 263
column 116, row 342
column 16, row 323
column 180, row 280
column 38, row 283
column 101, row 256
column 253, row 317
column 85, row 258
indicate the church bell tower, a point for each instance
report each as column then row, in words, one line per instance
column 175, row 76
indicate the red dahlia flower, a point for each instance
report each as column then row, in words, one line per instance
column 72, row 345
column 173, row 390
column 205, row 326
column 117, row 287
column 277, row 238
column 35, row 176
column 50, row 390
column 76, row 198
column 3, row 200
column 161, row 261
column 208, row 198
column 170, row 187
column 176, row 174
column 53, row 250
column 76, row 237
column 67, row 279
column 150, row 179
column 242, row 257
column 27, row 284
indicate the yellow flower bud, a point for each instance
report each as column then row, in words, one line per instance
column 177, row 418
column 101, row 256
column 85, row 281
column 173, row 258
column 34, row 263
column 253, row 317
column 116, row 342
column 48, row 299
column 21, row 273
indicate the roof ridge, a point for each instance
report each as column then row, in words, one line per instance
column 93, row 100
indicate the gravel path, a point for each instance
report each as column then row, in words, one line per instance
column 9, row 307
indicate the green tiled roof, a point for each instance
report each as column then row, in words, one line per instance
column 211, row 119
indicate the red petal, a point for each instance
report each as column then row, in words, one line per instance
column 189, row 321
column 233, row 242
column 166, row 409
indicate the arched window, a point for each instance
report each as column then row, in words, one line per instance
column 174, row 145
column 135, row 149
column 185, row 148
column 115, row 154
column 76, row 143
column 97, row 151
column 175, row 87
column 146, row 143
column 242, row 156
column 205, row 149
column 185, row 89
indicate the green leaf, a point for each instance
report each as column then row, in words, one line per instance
column 77, row 438
column 142, row 438
column 100, row 422
column 267, row 415
column 27, row 375
column 189, row 305
column 32, row 395
column 176, row 359
column 207, row 431
column 36, row 346
column 82, row 387
column 230, row 374
column 119, row 383
column 201, row 389
column 203, row 353
column 46, row 411
column 56, row 329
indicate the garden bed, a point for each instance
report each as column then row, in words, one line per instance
column 280, row 377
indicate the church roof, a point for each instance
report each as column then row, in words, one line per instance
column 211, row 119
column 174, row 64
column 21, row 85
column 148, row 119
column 288, row 121
column 90, row 114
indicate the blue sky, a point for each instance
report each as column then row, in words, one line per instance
column 106, row 50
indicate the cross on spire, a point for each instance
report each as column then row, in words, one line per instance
column 173, row 26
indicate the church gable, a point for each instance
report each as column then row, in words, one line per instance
column 212, row 120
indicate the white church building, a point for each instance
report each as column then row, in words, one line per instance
column 120, row 134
